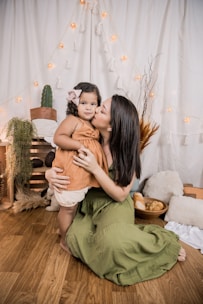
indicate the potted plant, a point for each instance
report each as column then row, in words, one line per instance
column 45, row 111
column 19, row 133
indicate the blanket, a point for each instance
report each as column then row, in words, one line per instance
column 190, row 235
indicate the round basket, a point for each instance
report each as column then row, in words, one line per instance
column 148, row 214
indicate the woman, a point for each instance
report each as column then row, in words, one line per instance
column 103, row 234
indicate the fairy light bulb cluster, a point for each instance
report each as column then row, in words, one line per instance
column 74, row 27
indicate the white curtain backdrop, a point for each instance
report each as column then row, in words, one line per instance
column 129, row 47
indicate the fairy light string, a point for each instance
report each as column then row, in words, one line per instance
column 116, row 56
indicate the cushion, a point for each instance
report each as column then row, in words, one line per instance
column 185, row 210
column 163, row 185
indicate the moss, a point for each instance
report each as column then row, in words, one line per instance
column 19, row 167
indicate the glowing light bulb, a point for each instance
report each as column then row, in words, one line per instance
column 35, row 83
column 73, row 25
column 82, row 2
column 151, row 94
column 61, row 45
column 104, row 14
column 113, row 38
column 124, row 58
column 138, row 77
column 18, row 99
column 187, row 119
column 169, row 109
column 50, row 65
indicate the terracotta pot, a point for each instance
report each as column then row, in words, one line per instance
column 43, row 113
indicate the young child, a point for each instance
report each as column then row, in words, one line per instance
column 75, row 132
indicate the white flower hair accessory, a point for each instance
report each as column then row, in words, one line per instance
column 73, row 96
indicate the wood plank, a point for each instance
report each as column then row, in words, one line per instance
column 193, row 191
column 51, row 283
column 7, row 280
column 39, row 149
column 34, row 269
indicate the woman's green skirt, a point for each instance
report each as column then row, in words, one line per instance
column 103, row 235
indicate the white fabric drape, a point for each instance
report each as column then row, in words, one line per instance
column 164, row 34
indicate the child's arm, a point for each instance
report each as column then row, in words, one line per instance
column 62, row 137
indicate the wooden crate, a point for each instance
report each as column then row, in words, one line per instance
column 195, row 192
column 3, row 168
column 7, row 193
column 39, row 149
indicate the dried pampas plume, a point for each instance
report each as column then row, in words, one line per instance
column 145, row 102
column 27, row 199
column 147, row 130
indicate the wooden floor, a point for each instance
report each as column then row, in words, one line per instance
column 34, row 269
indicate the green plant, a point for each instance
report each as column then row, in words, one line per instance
column 20, row 133
column 47, row 99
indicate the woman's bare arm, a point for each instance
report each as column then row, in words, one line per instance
column 89, row 163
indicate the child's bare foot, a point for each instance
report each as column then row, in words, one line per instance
column 64, row 246
column 182, row 255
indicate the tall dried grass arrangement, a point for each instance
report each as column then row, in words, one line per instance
column 147, row 130
column 27, row 199
column 145, row 102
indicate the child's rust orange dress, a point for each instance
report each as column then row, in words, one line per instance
column 79, row 177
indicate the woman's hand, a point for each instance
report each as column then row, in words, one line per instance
column 86, row 160
column 56, row 182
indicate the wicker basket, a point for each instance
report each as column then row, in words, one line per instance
column 147, row 214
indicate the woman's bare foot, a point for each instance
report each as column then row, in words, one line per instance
column 182, row 255
column 64, row 246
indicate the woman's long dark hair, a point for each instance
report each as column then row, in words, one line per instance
column 86, row 87
column 124, row 140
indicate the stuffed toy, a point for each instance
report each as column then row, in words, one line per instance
column 54, row 206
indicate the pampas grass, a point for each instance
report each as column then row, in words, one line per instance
column 145, row 103
column 147, row 130
column 27, row 199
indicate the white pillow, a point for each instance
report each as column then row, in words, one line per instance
column 185, row 210
column 163, row 185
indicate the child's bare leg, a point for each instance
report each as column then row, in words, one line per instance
column 65, row 218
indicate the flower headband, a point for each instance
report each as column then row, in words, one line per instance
column 73, row 96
